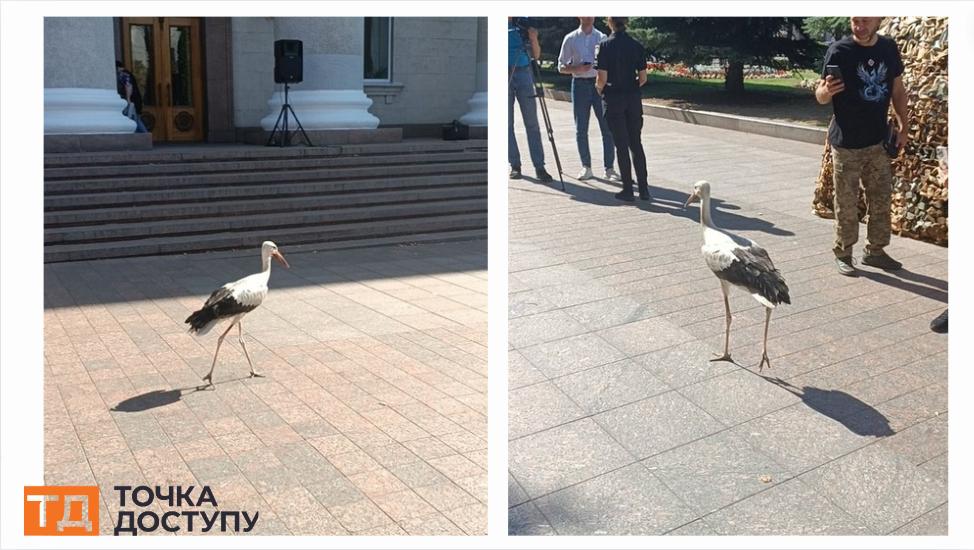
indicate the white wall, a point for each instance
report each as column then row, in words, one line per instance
column 435, row 58
column 79, row 52
column 252, row 53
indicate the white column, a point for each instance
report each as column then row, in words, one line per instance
column 330, row 97
column 477, row 115
column 79, row 78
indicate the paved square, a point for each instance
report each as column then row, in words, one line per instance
column 371, row 418
column 621, row 425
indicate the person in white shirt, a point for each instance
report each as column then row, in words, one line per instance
column 577, row 58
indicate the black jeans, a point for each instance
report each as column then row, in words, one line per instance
column 624, row 114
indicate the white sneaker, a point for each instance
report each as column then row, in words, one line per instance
column 585, row 174
column 611, row 175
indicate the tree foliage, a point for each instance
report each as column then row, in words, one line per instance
column 735, row 41
column 780, row 42
column 756, row 40
column 652, row 39
column 826, row 29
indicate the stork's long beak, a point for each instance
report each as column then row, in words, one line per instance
column 280, row 257
column 691, row 199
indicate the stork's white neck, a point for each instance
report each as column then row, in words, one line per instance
column 265, row 264
column 705, row 220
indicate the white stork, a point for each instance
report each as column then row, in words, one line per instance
column 740, row 262
column 233, row 301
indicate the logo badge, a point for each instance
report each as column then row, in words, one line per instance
column 60, row 511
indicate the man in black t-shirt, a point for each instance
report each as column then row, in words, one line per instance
column 621, row 64
column 871, row 76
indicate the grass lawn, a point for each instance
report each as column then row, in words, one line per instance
column 776, row 99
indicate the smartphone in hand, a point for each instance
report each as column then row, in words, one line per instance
column 833, row 71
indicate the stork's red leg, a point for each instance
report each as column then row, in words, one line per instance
column 764, row 352
column 244, row 346
column 219, row 342
column 726, row 356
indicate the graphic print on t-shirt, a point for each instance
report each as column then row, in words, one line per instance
column 874, row 86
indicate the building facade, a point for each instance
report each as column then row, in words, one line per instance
column 211, row 79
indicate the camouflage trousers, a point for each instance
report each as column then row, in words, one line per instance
column 871, row 166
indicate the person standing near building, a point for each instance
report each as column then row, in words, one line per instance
column 128, row 89
column 621, row 64
column 871, row 75
column 520, row 87
column 577, row 58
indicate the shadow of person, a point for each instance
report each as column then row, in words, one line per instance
column 671, row 202
column 903, row 279
column 540, row 188
column 668, row 201
column 856, row 415
column 934, row 282
column 582, row 192
column 555, row 183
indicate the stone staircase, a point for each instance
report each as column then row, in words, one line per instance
column 208, row 198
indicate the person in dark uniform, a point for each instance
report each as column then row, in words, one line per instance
column 621, row 64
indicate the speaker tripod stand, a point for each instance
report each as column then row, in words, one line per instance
column 285, row 133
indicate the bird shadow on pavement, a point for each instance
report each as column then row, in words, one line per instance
column 668, row 201
column 161, row 398
column 903, row 279
column 856, row 415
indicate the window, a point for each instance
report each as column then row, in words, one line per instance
column 378, row 49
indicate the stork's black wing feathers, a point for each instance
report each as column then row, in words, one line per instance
column 753, row 270
column 220, row 304
column 217, row 295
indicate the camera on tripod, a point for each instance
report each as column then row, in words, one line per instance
column 525, row 23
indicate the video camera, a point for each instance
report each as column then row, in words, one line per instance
column 525, row 23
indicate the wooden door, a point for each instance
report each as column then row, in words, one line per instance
column 163, row 54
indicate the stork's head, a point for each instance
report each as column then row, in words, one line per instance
column 268, row 250
column 701, row 190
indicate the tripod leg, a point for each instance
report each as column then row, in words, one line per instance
column 551, row 138
column 300, row 127
column 286, row 137
column 270, row 138
column 539, row 92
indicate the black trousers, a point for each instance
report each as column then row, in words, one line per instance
column 624, row 114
